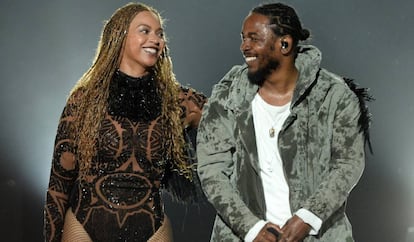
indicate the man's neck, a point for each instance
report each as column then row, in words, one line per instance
column 278, row 87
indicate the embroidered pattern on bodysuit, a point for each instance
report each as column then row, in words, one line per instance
column 122, row 201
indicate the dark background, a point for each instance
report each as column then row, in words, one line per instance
column 46, row 46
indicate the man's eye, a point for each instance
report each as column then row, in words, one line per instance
column 244, row 39
column 252, row 39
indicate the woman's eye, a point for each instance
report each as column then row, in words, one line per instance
column 145, row 31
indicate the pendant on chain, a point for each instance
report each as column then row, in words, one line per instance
column 272, row 132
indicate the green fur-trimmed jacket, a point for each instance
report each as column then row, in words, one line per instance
column 321, row 145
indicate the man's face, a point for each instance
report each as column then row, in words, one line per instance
column 258, row 47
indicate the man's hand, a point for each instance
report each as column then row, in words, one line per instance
column 267, row 233
column 294, row 230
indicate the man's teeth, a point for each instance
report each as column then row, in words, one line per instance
column 150, row 50
column 250, row 58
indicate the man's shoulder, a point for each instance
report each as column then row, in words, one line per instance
column 342, row 88
column 236, row 72
column 234, row 76
column 333, row 81
column 330, row 77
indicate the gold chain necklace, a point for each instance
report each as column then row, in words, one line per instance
column 273, row 119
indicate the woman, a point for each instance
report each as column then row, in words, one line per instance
column 120, row 138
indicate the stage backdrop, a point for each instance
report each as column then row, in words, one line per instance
column 46, row 46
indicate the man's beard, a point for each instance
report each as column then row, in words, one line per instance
column 261, row 74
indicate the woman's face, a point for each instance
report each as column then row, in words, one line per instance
column 143, row 45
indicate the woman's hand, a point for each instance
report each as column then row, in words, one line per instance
column 192, row 104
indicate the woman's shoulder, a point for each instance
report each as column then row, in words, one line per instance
column 76, row 94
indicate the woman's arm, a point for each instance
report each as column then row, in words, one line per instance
column 62, row 176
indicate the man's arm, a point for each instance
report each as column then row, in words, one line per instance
column 347, row 159
column 215, row 148
column 346, row 167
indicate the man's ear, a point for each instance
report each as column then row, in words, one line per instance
column 286, row 44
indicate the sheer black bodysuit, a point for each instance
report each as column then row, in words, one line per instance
column 120, row 199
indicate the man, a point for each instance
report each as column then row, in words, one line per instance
column 281, row 140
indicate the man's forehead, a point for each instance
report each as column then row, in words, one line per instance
column 256, row 27
column 257, row 17
column 257, row 20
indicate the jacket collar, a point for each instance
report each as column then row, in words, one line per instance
column 308, row 63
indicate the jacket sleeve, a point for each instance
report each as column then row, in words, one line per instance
column 62, row 176
column 347, row 158
column 215, row 148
